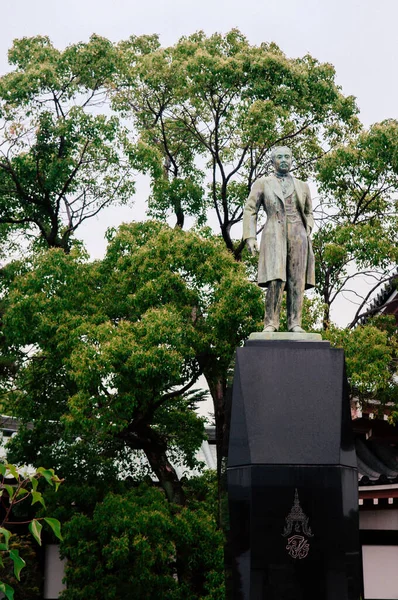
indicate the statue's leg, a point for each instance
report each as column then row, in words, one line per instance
column 273, row 302
column 297, row 251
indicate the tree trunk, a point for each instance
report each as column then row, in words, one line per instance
column 218, row 391
column 326, row 317
column 226, row 234
column 140, row 436
column 179, row 213
column 166, row 474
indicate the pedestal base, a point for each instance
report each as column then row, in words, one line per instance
column 292, row 477
column 294, row 533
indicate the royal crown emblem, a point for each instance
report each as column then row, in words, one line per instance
column 297, row 523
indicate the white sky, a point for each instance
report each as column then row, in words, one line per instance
column 359, row 37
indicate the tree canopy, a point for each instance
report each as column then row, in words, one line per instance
column 61, row 158
column 145, row 549
column 208, row 110
column 357, row 216
column 118, row 343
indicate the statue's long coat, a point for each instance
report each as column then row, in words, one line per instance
column 267, row 192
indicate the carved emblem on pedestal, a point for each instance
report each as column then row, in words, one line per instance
column 297, row 523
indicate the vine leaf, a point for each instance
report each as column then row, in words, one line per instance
column 19, row 563
column 48, row 474
column 7, row 536
column 55, row 526
column 13, row 470
column 10, row 491
column 35, row 529
column 7, row 590
column 37, row 497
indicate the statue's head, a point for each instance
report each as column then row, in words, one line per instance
column 281, row 157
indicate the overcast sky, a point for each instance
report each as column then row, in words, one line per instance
column 359, row 37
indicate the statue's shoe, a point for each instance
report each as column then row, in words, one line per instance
column 269, row 328
column 297, row 329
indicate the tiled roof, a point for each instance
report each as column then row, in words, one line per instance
column 377, row 463
column 376, row 444
column 382, row 297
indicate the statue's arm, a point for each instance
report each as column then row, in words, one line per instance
column 251, row 210
column 308, row 209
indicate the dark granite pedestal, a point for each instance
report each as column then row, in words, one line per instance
column 292, row 478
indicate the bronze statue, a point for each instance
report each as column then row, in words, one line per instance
column 286, row 258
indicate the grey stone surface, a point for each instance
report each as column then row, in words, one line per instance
column 286, row 258
column 290, row 405
column 286, row 335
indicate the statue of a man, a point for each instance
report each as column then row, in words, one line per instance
column 286, row 259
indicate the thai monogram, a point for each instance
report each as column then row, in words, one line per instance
column 297, row 523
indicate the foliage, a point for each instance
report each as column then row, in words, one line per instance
column 29, row 585
column 61, row 160
column 24, row 489
column 108, row 351
column 147, row 549
column 208, row 110
column 357, row 216
column 371, row 353
column 203, row 116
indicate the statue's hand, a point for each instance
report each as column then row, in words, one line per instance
column 308, row 231
column 251, row 244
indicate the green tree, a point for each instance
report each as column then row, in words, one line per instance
column 61, row 159
column 208, row 110
column 371, row 353
column 109, row 351
column 146, row 549
column 357, row 217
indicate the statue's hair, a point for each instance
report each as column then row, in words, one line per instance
column 275, row 149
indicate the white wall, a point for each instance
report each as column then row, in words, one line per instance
column 380, row 572
column 53, row 572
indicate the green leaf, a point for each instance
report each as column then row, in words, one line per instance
column 48, row 474
column 37, row 497
column 34, row 482
column 2, row 469
column 57, row 482
column 55, row 526
column 22, row 491
column 10, row 491
column 35, row 529
column 7, row 590
column 13, row 470
column 19, row 563
column 7, row 535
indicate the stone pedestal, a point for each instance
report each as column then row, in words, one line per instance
column 292, row 478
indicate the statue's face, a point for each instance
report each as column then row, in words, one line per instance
column 282, row 160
